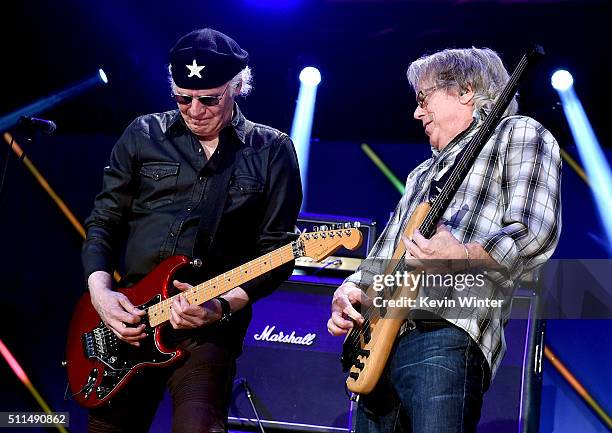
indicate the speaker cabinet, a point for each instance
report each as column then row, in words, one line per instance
column 291, row 363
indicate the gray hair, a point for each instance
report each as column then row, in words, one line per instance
column 244, row 77
column 480, row 68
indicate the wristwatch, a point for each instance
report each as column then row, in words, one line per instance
column 226, row 311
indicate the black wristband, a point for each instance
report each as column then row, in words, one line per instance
column 226, row 311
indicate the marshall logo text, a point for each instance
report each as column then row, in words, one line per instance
column 268, row 334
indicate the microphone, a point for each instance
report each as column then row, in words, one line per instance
column 35, row 124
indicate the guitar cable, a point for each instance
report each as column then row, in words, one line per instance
column 247, row 390
column 328, row 264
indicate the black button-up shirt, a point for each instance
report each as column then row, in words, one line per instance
column 156, row 188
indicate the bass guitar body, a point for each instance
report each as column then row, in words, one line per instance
column 366, row 349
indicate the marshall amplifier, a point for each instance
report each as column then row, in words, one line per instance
column 307, row 221
column 343, row 262
column 290, row 362
column 291, row 365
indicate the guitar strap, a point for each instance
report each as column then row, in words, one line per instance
column 216, row 196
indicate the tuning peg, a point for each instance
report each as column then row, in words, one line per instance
column 315, row 228
column 347, row 225
column 324, row 228
column 356, row 224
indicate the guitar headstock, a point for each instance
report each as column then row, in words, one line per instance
column 324, row 241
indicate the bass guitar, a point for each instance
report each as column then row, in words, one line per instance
column 99, row 364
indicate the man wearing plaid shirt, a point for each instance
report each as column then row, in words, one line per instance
column 505, row 218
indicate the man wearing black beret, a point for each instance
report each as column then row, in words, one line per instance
column 205, row 182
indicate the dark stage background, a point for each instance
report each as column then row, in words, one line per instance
column 362, row 49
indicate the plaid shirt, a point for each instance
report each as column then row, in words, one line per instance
column 509, row 203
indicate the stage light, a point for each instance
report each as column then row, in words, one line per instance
column 302, row 121
column 103, row 76
column 11, row 119
column 310, row 76
column 589, row 149
column 273, row 5
column 562, row 80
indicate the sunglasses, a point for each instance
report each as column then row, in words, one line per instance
column 209, row 101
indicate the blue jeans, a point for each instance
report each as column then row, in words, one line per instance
column 433, row 383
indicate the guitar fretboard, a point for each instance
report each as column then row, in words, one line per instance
column 160, row 312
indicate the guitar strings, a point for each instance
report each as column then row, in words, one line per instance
column 212, row 284
column 286, row 254
column 283, row 255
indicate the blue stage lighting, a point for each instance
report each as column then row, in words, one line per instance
column 591, row 154
column 103, row 76
column 274, row 5
column 310, row 76
column 562, row 80
column 11, row 119
column 302, row 121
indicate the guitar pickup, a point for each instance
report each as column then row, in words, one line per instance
column 383, row 311
column 364, row 352
column 367, row 332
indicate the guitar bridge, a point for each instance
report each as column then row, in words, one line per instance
column 100, row 343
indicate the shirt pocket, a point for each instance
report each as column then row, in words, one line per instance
column 158, row 183
column 246, row 184
column 244, row 192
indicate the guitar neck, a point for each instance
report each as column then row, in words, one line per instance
column 197, row 295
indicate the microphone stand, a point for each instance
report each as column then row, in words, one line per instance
column 29, row 136
column 247, row 390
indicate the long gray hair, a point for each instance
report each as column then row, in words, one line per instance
column 480, row 68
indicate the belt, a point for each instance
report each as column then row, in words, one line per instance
column 424, row 325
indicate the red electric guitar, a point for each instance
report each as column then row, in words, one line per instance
column 99, row 364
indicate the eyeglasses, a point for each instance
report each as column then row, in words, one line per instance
column 209, row 101
column 424, row 94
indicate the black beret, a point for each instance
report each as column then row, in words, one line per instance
column 205, row 59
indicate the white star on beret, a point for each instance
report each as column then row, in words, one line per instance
column 194, row 69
